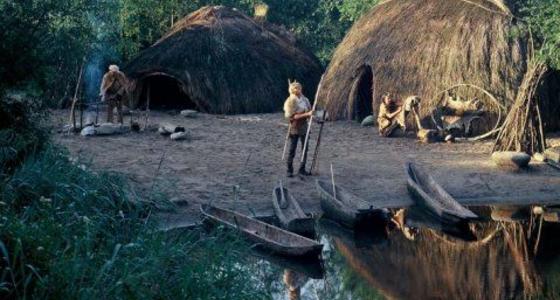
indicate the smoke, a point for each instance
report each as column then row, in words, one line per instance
column 103, row 51
column 93, row 75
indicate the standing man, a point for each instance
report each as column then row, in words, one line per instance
column 113, row 90
column 297, row 111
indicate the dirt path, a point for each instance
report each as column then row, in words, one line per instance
column 245, row 151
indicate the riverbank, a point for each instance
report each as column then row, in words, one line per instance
column 243, row 153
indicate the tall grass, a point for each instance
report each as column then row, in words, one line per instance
column 69, row 233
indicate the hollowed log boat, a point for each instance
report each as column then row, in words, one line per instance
column 272, row 238
column 348, row 209
column 429, row 195
column 290, row 214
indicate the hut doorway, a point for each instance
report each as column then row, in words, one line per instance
column 166, row 93
column 362, row 94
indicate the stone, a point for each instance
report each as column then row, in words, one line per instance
column 110, row 129
column 178, row 136
column 88, row 131
column 539, row 157
column 163, row 131
column 511, row 160
column 368, row 121
column 189, row 113
column 553, row 154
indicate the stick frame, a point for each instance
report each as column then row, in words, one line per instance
column 310, row 122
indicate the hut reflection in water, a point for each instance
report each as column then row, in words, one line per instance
column 502, row 264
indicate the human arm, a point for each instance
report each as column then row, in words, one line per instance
column 304, row 115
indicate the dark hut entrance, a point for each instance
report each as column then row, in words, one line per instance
column 166, row 93
column 362, row 94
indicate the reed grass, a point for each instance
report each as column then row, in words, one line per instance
column 68, row 232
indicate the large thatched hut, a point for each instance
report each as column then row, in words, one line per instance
column 421, row 48
column 218, row 60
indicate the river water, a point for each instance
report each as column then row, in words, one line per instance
column 509, row 260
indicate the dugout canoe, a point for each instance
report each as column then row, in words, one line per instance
column 289, row 213
column 430, row 195
column 346, row 208
column 272, row 238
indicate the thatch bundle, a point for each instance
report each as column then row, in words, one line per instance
column 523, row 128
column 423, row 47
column 225, row 63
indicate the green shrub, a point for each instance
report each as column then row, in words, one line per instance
column 21, row 131
column 67, row 233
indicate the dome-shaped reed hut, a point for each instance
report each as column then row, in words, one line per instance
column 423, row 47
column 218, row 60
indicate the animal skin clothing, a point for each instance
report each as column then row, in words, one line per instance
column 295, row 105
column 298, row 129
column 113, row 90
column 387, row 125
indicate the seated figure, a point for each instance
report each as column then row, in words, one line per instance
column 391, row 118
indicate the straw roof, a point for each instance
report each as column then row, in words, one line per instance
column 227, row 63
column 423, row 47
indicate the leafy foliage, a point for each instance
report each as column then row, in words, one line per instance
column 543, row 18
column 46, row 41
column 68, row 233
column 21, row 132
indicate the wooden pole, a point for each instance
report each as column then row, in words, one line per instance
column 75, row 99
column 333, row 184
column 97, row 111
column 311, row 118
column 317, row 145
column 147, row 106
column 81, row 112
column 286, row 141
column 283, row 203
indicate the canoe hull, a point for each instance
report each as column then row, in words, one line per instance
column 347, row 215
column 443, row 210
column 266, row 236
column 291, row 216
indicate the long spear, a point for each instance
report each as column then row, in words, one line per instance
column 311, row 118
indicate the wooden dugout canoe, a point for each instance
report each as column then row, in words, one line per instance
column 275, row 239
column 290, row 214
column 346, row 208
column 429, row 194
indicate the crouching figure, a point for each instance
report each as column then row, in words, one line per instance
column 113, row 91
column 391, row 119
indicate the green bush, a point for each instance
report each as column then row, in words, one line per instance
column 21, row 131
column 67, row 233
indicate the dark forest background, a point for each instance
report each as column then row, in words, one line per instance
column 44, row 42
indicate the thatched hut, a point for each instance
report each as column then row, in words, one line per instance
column 423, row 47
column 218, row 60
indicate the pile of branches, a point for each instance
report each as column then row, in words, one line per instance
column 522, row 130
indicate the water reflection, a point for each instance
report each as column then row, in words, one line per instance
column 509, row 260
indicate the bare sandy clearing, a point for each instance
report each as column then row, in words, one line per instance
column 245, row 151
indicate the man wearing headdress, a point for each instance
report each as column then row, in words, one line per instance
column 297, row 110
column 113, row 90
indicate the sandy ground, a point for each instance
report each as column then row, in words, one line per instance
column 245, row 151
